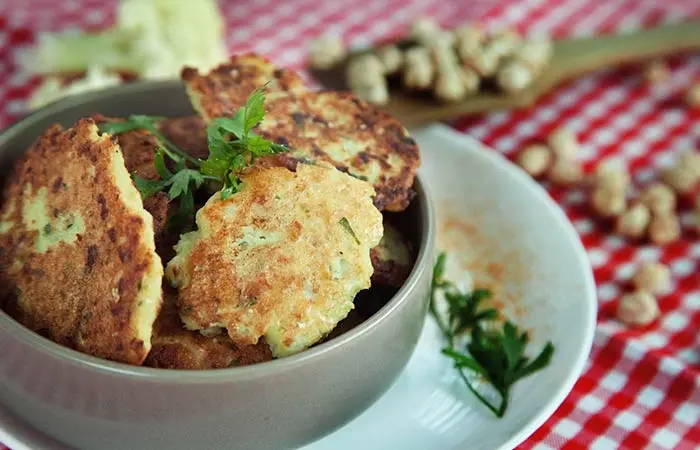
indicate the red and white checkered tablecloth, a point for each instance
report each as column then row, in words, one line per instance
column 640, row 388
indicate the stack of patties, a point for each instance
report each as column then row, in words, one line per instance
column 268, row 272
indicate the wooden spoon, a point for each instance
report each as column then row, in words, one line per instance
column 571, row 58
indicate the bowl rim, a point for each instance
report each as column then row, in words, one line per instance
column 44, row 345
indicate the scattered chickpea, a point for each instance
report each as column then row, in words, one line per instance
column 612, row 176
column 691, row 161
column 654, row 278
column 565, row 172
column 638, row 308
column 633, row 222
column 470, row 80
column 656, row 72
column 692, row 96
column 535, row 159
column 514, row 76
column 419, row 70
column 535, row 53
column 680, row 178
column 607, row 202
column 391, row 58
column 326, row 51
column 563, row 143
column 664, row 229
column 659, row 198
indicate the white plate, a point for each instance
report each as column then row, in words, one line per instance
column 500, row 226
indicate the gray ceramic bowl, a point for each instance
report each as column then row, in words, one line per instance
column 86, row 402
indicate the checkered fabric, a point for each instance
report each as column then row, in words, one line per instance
column 640, row 388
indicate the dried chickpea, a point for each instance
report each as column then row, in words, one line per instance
column 535, row 53
column 656, row 72
column 633, row 223
column 692, row 96
column 425, row 31
column 535, row 159
column 419, row 70
column 514, row 76
column 365, row 77
column 680, row 178
column 326, row 51
column 654, row 278
column 468, row 40
column 638, row 308
column 484, row 62
column 691, row 161
column 448, row 86
column 565, row 172
column 563, row 143
column 659, row 198
column 503, row 43
column 664, row 229
column 391, row 58
column 612, row 176
column 470, row 80
column 608, row 202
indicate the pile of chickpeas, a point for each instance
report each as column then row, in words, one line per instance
column 450, row 64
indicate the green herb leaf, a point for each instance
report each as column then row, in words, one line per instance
column 345, row 223
column 233, row 147
column 183, row 180
column 161, row 167
column 496, row 355
column 254, row 112
column 147, row 188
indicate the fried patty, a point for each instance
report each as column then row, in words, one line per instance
column 188, row 133
column 174, row 347
column 392, row 259
column 77, row 254
column 225, row 88
column 336, row 127
column 283, row 258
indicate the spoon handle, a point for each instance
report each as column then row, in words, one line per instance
column 579, row 56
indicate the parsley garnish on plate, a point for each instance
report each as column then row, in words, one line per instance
column 233, row 147
column 477, row 346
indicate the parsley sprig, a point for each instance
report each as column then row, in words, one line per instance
column 233, row 147
column 495, row 355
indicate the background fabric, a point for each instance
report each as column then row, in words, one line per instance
column 639, row 388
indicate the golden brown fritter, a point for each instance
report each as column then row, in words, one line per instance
column 392, row 259
column 336, row 127
column 139, row 149
column 188, row 133
column 283, row 258
column 174, row 347
column 77, row 255
column 225, row 88
column 354, row 136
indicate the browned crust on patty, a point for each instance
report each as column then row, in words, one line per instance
column 225, row 88
column 84, row 293
column 188, row 133
column 354, row 136
column 174, row 347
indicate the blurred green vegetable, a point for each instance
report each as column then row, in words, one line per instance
column 152, row 38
